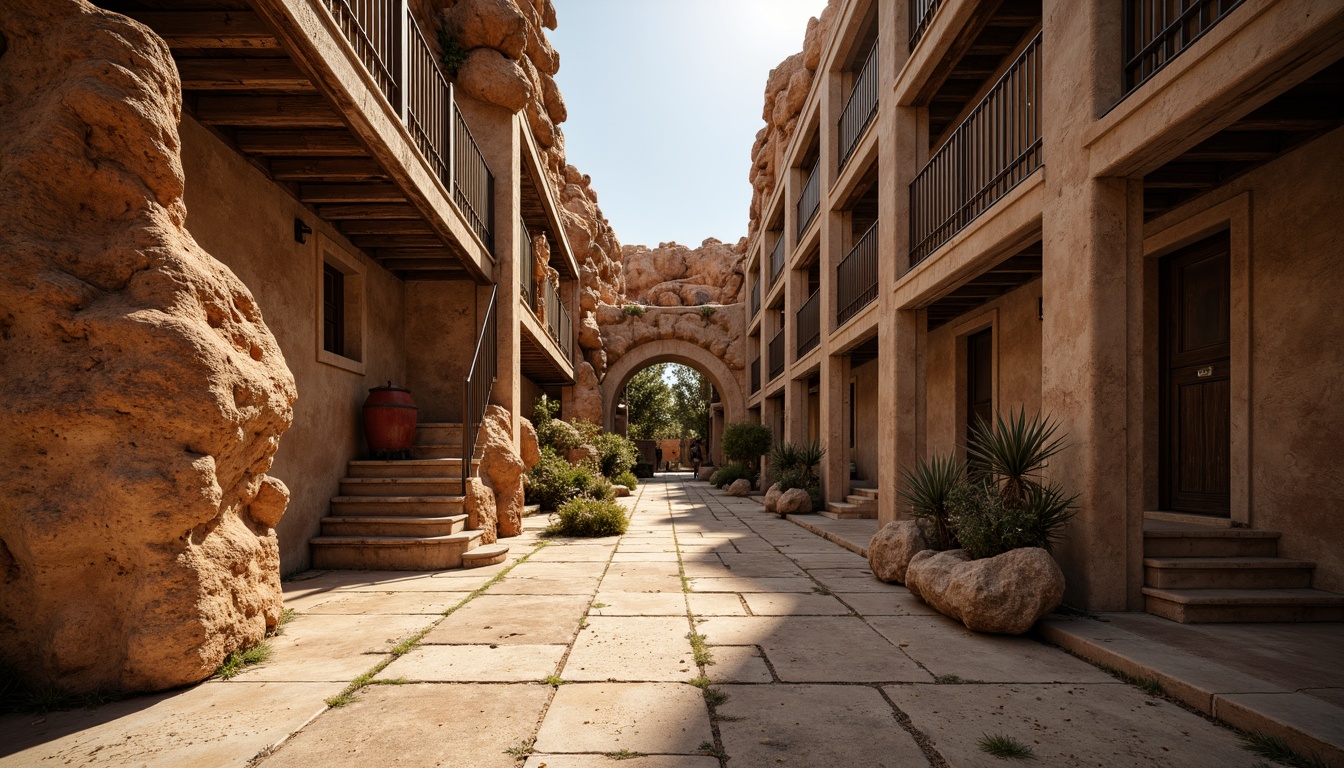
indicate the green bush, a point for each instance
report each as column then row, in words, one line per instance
column 745, row 443
column 794, row 466
column 634, row 310
column 589, row 518
column 927, row 489
column 616, row 455
column 558, row 435
column 553, row 481
column 627, row 479
column 730, row 472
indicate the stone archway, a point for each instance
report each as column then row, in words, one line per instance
column 639, row 357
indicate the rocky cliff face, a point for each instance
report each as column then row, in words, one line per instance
column 141, row 393
column 510, row 63
column 674, row 275
column 785, row 91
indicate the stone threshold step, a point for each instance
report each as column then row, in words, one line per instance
column 486, row 554
column 1230, row 563
column 1223, row 606
column 1183, row 532
column 1247, row 597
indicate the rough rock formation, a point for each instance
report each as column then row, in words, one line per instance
column 794, row 501
column 892, row 548
column 142, row 395
column 785, row 92
column 1005, row 594
column 740, row 487
column 673, row 275
column 720, row 333
column 772, row 499
column 529, row 449
column 621, row 491
column 481, row 509
column 502, row 469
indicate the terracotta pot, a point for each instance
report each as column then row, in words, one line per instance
column 389, row 421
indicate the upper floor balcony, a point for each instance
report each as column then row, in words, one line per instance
column 809, row 199
column 344, row 103
column 1156, row 31
column 860, row 108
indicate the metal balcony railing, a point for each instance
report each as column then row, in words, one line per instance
column 921, row 16
column 776, row 261
column 558, row 323
column 755, row 297
column 809, row 200
column 480, row 380
column 809, row 323
column 777, row 355
column 527, row 278
column 390, row 43
column 756, row 375
column 1156, row 31
column 995, row 147
column 860, row 109
column 856, row 277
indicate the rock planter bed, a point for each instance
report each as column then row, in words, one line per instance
column 979, row 548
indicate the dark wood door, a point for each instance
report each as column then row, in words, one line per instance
column 979, row 380
column 1196, row 297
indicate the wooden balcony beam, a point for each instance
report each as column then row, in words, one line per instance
column 351, row 193
column 204, row 30
column 299, row 143
column 328, row 169
column 268, row 111
column 242, row 75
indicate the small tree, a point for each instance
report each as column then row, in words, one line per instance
column 745, row 443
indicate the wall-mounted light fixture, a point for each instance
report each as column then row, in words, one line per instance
column 301, row 231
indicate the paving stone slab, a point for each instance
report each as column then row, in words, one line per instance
column 476, row 664
column 716, row 604
column 419, row 725
column 356, row 603
column 534, row 586
column 626, row 581
column 558, row 570
column 317, row 648
column 210, row 724
column 653, row 718
column 742, row 584
column 839, row 649
column 602, row 761
column 512, row 619
column 1067, row 725
column 808, row 726
column 1308, row 724
column 613, row 603
column 629, row 648
column 573, row 553
column 738, row 664
column 644, row 557
column 945, row 647
column 897, row 602
column 765, row 604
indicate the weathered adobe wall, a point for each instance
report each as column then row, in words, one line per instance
column 222, row 190
column 866, row 419
column 142, row 394
column 1297, row 363
column 1017, row 366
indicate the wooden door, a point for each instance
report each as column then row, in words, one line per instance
column 1196, row 409
column 979, row 380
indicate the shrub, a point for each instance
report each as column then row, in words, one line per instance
column 553, row 481
column 707, row 312
column 793, row 465
column 454, row 55
column 927, row 488
column 730, row 472
column 627, row 479
column 589, row 517
column 633, row 310
column 558, row 435
column 616, row 454
column 745, row 443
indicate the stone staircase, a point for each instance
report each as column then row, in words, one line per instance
column 1196, row 574
column 405, row 515
column 860, row 504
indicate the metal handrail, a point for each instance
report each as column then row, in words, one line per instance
column 374, row 31
column 921, row 16
column 809, row 323
column 559, row 325
column 856, row 277
column 1152, row 41
column 527, row 278
column 809, row 200
column 777, row 259
column 480, row 380
column 777, row 354
column 860, row 109
column 473, row 184
column 755, row 297
column 996, row 147
column 756, row 375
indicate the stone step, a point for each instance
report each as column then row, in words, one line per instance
column 839, row 510
column 531, row 509
column 393, row 526
column 438, row 433
column 393, row 553
column 438, row 451
column 397, row 506
column 450, row 468
column 1191, row 541
column 1227, row 573
column 401, row 486
column 859, row 500
column 1209, row 606
column 869, row 492
column 486, row 554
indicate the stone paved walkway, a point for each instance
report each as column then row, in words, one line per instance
column 711, row 634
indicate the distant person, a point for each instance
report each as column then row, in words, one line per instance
column 657, row 458
column 695, row 458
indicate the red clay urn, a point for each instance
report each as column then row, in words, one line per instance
column 389, row 422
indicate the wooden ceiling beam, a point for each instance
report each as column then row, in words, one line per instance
column 298, row 143
column 355, row 228
column 268, row 111
column 204, row 30
column 368, row 211
column 350, row 193
column 242, row 75
column 327, row 169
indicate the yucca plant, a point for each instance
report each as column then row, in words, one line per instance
column 927, row 488
column 1013, row 452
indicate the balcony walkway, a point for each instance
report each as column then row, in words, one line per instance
column 812, row 663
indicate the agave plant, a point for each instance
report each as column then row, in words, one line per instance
column 1013, row 452
column 927, row 488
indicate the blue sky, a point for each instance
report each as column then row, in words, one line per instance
column 665, row 100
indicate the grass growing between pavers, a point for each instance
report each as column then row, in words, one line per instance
column 1005, row 747
column 411, row 643
column 243, row 658
column 1276, row 749
column 623, row 754
column 1149, row 685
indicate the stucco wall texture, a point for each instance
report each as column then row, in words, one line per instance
column 247, row 222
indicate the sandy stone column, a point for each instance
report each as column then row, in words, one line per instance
column 1084, row 373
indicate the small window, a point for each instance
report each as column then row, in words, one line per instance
column 340, row 307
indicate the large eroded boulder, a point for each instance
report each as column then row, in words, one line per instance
column 142, row 395
column 502, row 469
column 740, row 487
column 482, row 510
column 1005, row 594
column 772, row 499
column 892, row 548
column 794, row 501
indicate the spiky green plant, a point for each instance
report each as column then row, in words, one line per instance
column 1014, row 451
column 927, row 488
column 1006, row 747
